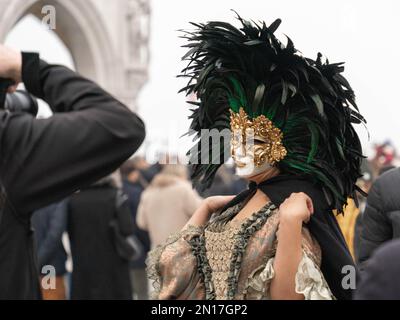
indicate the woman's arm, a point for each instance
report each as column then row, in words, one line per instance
column 293, row 212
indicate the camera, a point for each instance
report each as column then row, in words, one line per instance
column 19, row 101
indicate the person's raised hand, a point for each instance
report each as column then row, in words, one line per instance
column 298, row 208
column 10, row 66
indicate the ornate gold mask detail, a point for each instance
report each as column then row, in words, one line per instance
column 267, row 143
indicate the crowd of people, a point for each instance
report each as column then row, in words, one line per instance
column 78, row 231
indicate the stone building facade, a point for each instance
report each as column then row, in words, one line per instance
column 108, row 40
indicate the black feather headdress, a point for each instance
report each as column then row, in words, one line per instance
column 308, row 100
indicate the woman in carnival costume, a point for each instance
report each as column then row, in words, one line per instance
column 292, row 138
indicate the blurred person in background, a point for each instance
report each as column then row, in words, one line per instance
column 95, row 223
column 385, row 155
column 133, row 185
column 350, row 221
column 167, row 204
column 380, row 278
column 381, row 219
column 49, row 224
column 365, row 183
column 225, row 183
column 151, row 170
column 385, row 169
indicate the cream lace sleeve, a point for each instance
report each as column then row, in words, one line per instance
column 309, row 279
column 171, row 267
column 310, row 282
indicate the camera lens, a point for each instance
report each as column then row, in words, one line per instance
column 21, row 101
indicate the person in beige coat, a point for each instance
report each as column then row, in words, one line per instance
column 167, row 204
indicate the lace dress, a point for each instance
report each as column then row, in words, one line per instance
column 230, row 259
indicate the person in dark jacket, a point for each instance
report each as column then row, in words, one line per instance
column 223, row 184
column 43, row 161
column 381, row 219
column 49, row 224
column 133, row 186
column 99, row 272
column 380, row 280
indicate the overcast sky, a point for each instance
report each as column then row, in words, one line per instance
column 364, row 34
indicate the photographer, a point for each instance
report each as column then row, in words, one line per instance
column 43, row 161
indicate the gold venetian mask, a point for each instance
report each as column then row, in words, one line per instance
column 257, row 141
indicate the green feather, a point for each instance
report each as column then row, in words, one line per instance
column 314, row 141
column 239, row 93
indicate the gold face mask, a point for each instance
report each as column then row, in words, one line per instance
column 257, row 141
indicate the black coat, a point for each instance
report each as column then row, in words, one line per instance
column 380, row 278
column 98, row 271
column 44, row 161
column 134, row 191
column 381, row 218
column 49, row 225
